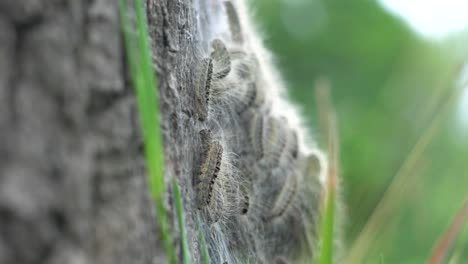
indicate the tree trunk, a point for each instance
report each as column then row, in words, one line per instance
column 72, row 178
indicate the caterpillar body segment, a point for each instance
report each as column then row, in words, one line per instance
column 274, row 141
column 286, row 197
column 244, row 197
column 256, row 134
column 253, row 96
column 234, row 23
column 291, row 151
column 281, row 260
column 221, row 59
column 314, row 166
column 203, row 89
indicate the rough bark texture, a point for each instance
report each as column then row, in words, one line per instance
column 72, row 179
column 176, row 42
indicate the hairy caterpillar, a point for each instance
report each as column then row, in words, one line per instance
column 274, row 141
column 209, row 170
column 217, row 189
column 220, row 58
column 202, row 89
column 234, row 23
column 256, row 134
column 285, row 198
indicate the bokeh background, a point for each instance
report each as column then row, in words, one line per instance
column 387, row 76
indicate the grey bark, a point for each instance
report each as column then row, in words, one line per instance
column 72, row 177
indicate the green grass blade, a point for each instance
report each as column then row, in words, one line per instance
column 148, row 104
column 401, row 183
column 203, row 247
column 145, row 85
column 326, row 249
column 181, row 221
column 329, row 126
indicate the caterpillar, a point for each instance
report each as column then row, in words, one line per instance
column 212, row 156
column 203, row 88
column 285, row 198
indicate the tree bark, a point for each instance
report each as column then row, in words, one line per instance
column 72, row 177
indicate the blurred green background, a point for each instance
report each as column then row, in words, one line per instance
column 385, row 79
